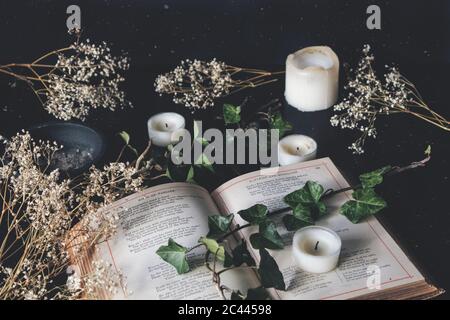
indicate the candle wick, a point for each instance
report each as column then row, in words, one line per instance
column 166, row 125
column 317, row 245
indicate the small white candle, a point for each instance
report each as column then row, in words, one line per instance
column 296, row 148
column 316, row 249
column 312, row 78
column 163, row 128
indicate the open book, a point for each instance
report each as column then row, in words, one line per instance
column 179, row 211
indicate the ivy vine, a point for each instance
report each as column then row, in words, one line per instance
column 304, row 207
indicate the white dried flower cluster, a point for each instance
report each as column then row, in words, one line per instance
column 45, row 194
column 104, row 279
column 196, row 83
column 84, row 78
column 40, row 208
column 103, row 187
column 35, row 207
column 368, row 97
column 102, row 282
column 74, row 284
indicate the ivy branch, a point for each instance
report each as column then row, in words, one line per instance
column 307, row 206
column 268, row 113
column 232, row 118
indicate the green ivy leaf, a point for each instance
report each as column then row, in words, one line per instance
column 364, row 204
column 269, row 272
column 180, row 173
column 197, row 136
column 306, row 204
column 303, row 213
column 292, row 223
column 190, row 175
column 175, row 255
column 231, row 114
column 203, row 141
column 242, row 255
column 428, row 151
column 125, row 137
column 255, row 214
column 219, row 224
column 259, row 293
column 213, row 247
column 268, row 237
column 237, row 295
column 133, row 149
column 276, row 121
column 309, row 194
column 373, row 178
column 196, row 129
column 168, row 174
column 228, row 262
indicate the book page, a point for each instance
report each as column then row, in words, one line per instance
column 364, row 244
column 147, row 220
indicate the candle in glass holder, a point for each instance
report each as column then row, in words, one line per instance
column 316, row 249
column 296, row 148
column 163, row 128
column 312, row 78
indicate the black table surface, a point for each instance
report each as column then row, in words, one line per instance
column 260, row 33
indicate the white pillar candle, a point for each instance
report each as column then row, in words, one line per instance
column 316, row 249
column 312, row 78
column 163, row 128
column 296, row 148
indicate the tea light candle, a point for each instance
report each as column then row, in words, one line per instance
column 312, row 78
column 296, row 148
column 163, row 128
column 316, row 249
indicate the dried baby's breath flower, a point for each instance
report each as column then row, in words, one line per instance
column 103, row 278
column 72, row 81
column 40, row 208
column 369, row 97
column 196, row 83
column 73, row 284
column 103, row 187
